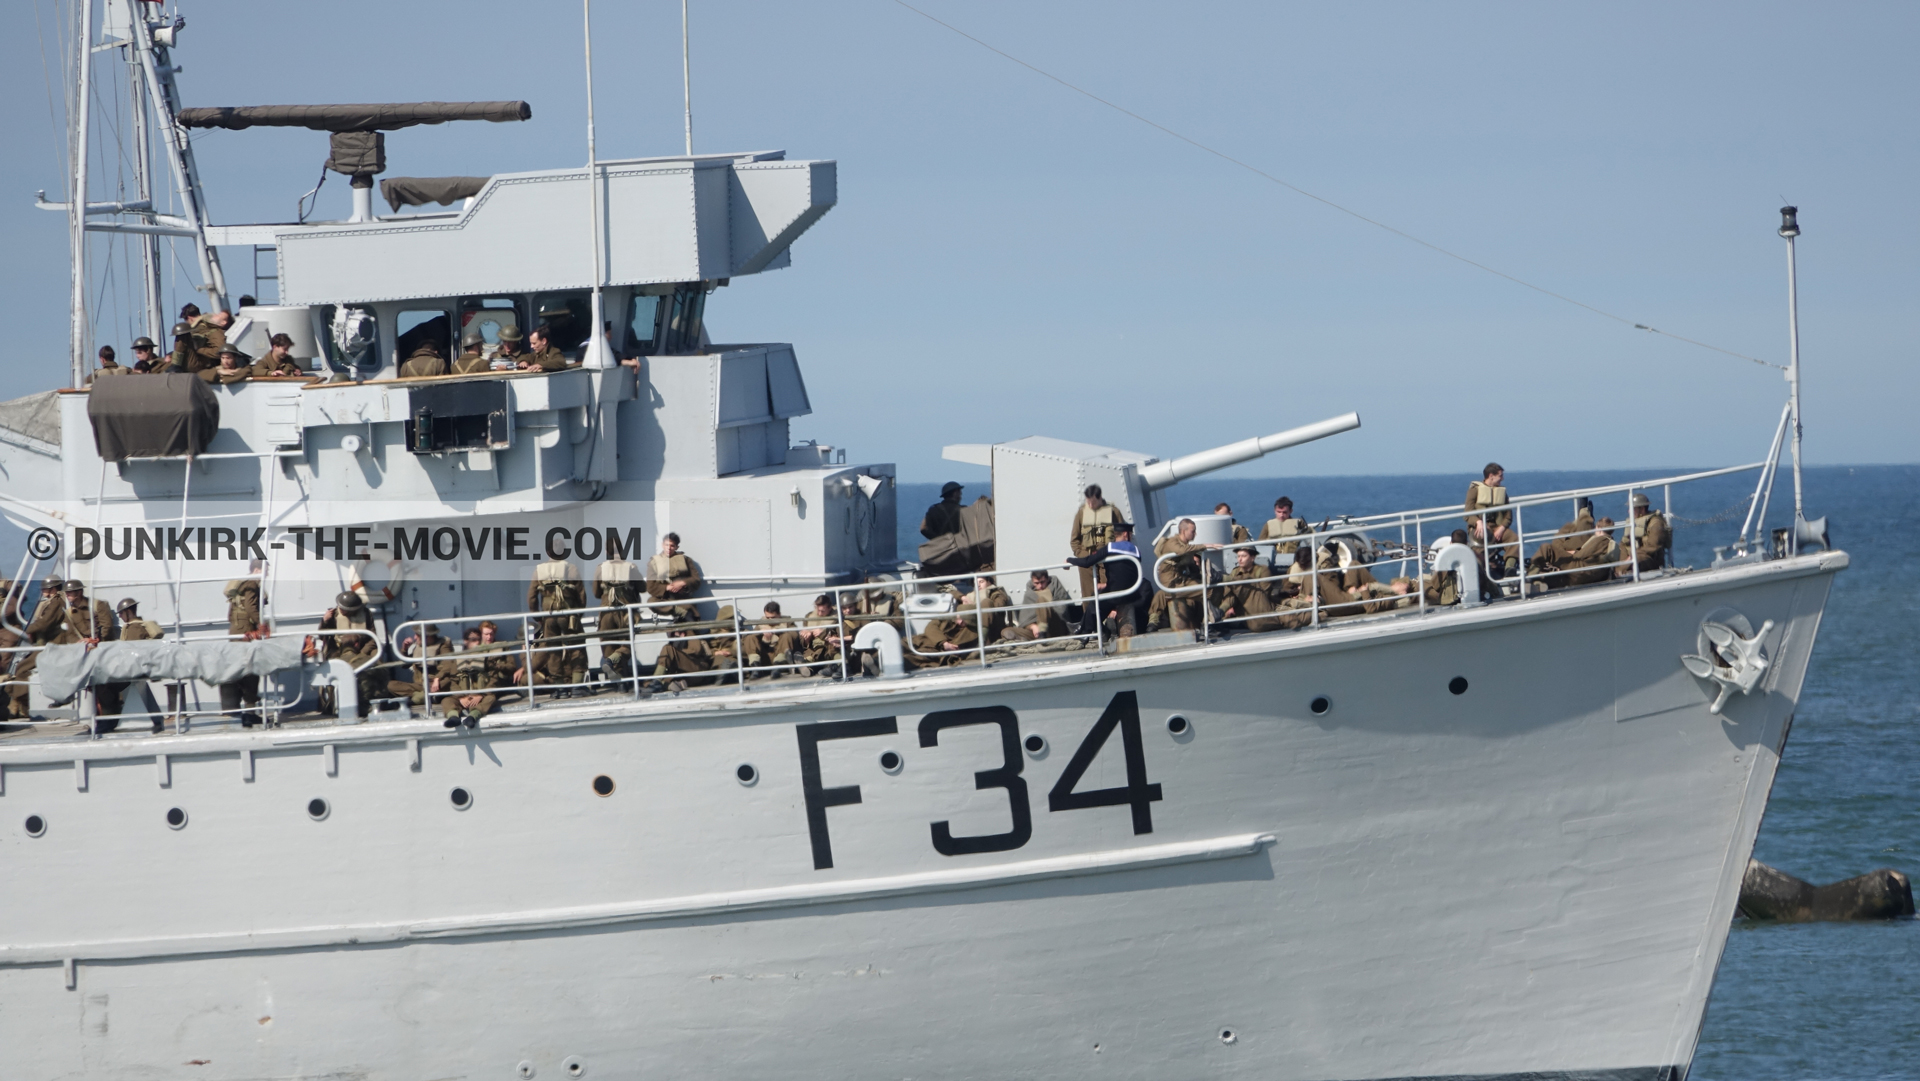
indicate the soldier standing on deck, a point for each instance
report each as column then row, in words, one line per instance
column 92, row 624
column 1093, row 523
column 1179, row 572
column 1281, row 526
column 672, row 576
column 473, row 358
column 943, row 517
column 1492, row 531
column 349, row 613
column 46, row 625
column 135, row 629
column 243, row 625
column 556, row 588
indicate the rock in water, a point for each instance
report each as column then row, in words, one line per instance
column 1770, row 894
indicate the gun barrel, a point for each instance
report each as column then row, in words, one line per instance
column 1165, row 474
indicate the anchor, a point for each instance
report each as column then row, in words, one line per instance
column 1730, row 655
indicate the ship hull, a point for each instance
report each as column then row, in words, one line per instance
column 1532, row 877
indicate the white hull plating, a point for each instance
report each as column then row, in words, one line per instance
column 1532, row 877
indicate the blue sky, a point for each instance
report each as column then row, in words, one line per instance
column 1009, row 258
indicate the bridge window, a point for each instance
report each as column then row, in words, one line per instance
column 490, row 315
column 423, row 327
column 569, row 315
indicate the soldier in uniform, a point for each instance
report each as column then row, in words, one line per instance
column 10, row 639
column 1651, row 539
column 1047, row 610
column 819, row 634
column 472, row 359
column 876, row 605
column 279, row 359
column 1492, row 531
column 944, row 641
column 1280, row 527
column 425, row 361
column 435, row 648
column 472, row 677
column 943, row 517
column 512, row 349
column 616, row 583
column 684, row 656
column 988, row 609
column 242, row 696
column 774, row 642
column 232, row 368
column 1093, row 522
column 349, row 613
column 47, row 624
column 143, row 359
column 1550, row 558
column 1181, row 610
column 93, row 624
column 1248, row 592
column 555, row 588
column 1596, row 558
column 135, row 629
column 108, row 365
column 1240, row 534
column 672, row 576
column 198, row 340
column 543, row 357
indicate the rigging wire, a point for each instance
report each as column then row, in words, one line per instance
column 53, row 121
column 1263, row 174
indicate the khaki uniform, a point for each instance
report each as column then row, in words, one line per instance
column 1092, row 529
column 772, row 642
column 1250, row 591
column 353, row 649
column 1047, row 607
column 994, row 607
column 682, row 658
column 1651, row 542
column 875, row 606
column 240, row 697
column 1482, row 497
column 109, row 368
column 269, row 367
column 1277, row 531
column 662, row 571
column 1595, row 559
column 556, row 587
column 616, row 582
column 411, row 688
column 200, row 349
column 1181, row 610
column 941, row 519
column 820, row 647
column 476, row 672
column 218, row 376
column 929, row 645
column 47, row 625
column 94, row 622
column 548, row 359
column 424, row 362
column 471, row 363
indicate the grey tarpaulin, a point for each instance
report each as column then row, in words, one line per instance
column 970, row 548
column 371, row 117
column 420, row 190
column 36, row 416
column 65, row 669
column 152, row 416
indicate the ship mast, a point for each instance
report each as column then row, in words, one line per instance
column 596, row 352
column 77, row 189
column 1790, row 228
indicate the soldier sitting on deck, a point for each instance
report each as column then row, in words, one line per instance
column 1047, row 610
column 775, row 642
column 1651, row 539
column 673, row 576
column 233, row 368
column 819, row 634
column 556, row 588
column 349, row 613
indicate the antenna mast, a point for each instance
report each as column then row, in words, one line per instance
column 1790, row 228
column 77, row 192
column 596, row 353
column 686, row 74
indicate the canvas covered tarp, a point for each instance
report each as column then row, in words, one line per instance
column 36, row 416
column 65, row 669
column 152, row 416
column 420, row 190
column 967, row 550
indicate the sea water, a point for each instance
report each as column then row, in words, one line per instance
column 1791, row 1001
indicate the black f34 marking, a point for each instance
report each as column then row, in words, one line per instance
column 818, row 798
column 1007, row 777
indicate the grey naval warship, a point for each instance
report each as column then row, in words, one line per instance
column 875, row 837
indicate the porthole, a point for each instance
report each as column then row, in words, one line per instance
column 574, row 1066
column 1178, row 725
column 745, row 773
column 1227, row 1035
column 36, row 826
column 891, row 761
column 176, row 818
column 461, row 799
column 1320, row 705
column 603, row 785
column 317, row 809
column 1035, row 744
column 1458, row 685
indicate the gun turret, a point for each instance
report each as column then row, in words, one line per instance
column 1166, row 474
